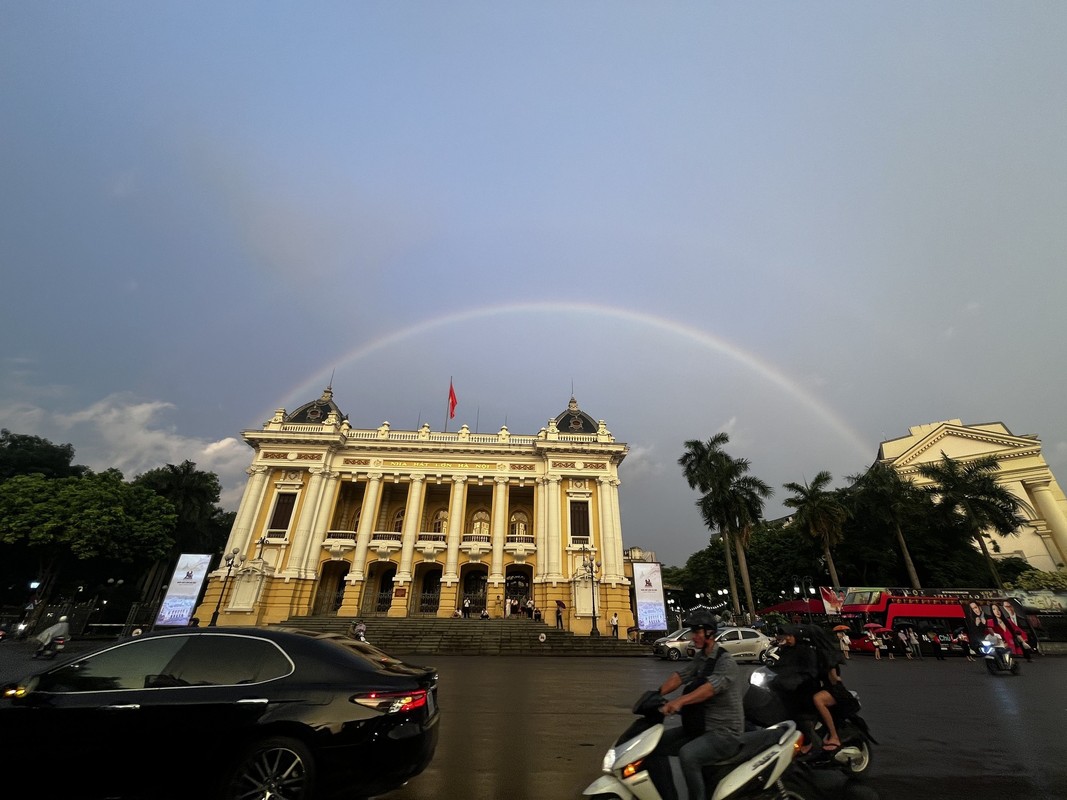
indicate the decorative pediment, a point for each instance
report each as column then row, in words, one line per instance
column 963, row 443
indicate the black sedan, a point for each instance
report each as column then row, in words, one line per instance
column 226, row 713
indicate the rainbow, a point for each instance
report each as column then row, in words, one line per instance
column 314, row 382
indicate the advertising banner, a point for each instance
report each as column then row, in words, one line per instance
column 184, row 589
column 648, row 589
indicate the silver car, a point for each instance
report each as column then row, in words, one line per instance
column 744, row 644
column 673, row 645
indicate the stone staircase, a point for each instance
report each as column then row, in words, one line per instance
column 475, row 637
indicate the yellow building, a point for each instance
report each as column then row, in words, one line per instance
column 365, row 522
column 1023, row 471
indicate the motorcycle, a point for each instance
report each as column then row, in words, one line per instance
column 764, row 706
column 758, row 770
column 998, row 658
column 51, row 648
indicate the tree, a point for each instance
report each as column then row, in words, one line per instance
column 819, row 514
column 886, row 499
column 701, row 464
column 194, row 495
column 29, row 455
column 969, row 492
column 735, row 504
column 731, row 501
column 97, row 517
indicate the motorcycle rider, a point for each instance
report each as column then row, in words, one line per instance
column 358, row 630
column 710, row 707
column 45, row 637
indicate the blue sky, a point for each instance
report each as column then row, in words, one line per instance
column 809, row 225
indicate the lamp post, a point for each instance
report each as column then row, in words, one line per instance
column 804, row 587
column 590, row 568
column 229, row 559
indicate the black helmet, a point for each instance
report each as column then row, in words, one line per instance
column 701, row 619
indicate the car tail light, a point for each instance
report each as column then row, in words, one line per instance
column 392, row 702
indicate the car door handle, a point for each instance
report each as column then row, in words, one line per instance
column 127, row 707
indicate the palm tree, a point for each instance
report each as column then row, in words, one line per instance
column 732, row 501
column 969, row 492
column 701, row 464
column 887, row 498
column 819, row 514
column 735, row 504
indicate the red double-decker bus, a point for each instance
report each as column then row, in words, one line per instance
column 941, row 610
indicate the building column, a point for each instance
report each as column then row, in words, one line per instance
column 320, row 522
column 553, row 531
column 367, row 515
column 1054, row 518
column 456, row 512
column 610, row 541
column 248, row 510
column 540, row 513
column 499, row 519
column 308, row 510
column 412, row 523
column 616, row 517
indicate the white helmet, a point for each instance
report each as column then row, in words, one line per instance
column 63, row 618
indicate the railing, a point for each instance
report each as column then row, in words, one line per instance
column 431, row 537
column 392, row 536
column 341, row 535
column 439, row 436
column 476, row 537
column 520, row 540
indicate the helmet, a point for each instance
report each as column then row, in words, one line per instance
column 63, row 619
column 701, row 619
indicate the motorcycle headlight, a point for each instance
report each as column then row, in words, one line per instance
column 757, row 678
column 609, row 760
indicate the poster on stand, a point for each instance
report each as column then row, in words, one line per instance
column 183, row 590
column 648, row 588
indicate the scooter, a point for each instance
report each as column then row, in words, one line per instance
column 998, row 658
column 757, row 770
column 51, row 648
column 764, row 706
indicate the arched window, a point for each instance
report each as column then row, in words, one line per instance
column 480, row 523
column 519, row 524
column 398, row 521
column 440, row 521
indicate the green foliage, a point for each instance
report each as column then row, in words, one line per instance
column 30, row 455
column 200, row 526
column 1034, row 580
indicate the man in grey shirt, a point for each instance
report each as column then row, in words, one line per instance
column 710, row 705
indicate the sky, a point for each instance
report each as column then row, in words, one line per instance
column 808, row 225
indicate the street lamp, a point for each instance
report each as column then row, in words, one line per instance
column 805, row 587
column 590, row 568
column 230, row 558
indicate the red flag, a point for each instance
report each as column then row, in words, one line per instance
column 452, row 402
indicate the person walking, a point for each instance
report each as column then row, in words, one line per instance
column 466, row 608
column 905, row 645
column 935, row 640
column 615, row 624
column 559, row 617
column 913, row 641
column 844, row 643
column 876, row 643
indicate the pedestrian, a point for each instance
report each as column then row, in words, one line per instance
column 485, row 613
column 844, row 643
column 935, row 640
column 537, row 614
column 905, row 646
column 466, row 607
column 529, row 608
column 965, row 644
column 913, row 641
column 876, row 644
column 559, row 617
column 615, row 624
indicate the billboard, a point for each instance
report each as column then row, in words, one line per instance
column 648, row 591
column 184, row 589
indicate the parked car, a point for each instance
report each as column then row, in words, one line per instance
column 673, row 645
column 744, row 644
column 226, row 713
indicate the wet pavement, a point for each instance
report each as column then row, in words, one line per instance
column 537, row 727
